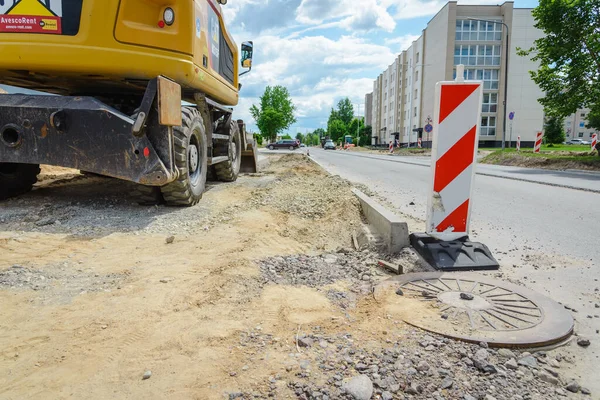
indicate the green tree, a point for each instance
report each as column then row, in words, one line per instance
column 553, row 130
column 337, row 130
column 333, row 116
column 365, row 135
column 300, row 137
column 276, row 112
column 593, row 119
column 355, row 126
column 286, row 136
column 345, row 111
column 320, row 133
column 568, row 55
column 258, row 138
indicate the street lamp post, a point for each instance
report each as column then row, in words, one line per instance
column 505, row 76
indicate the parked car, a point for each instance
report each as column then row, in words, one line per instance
column 284, row 144
column 329, row 145
column 302, row 145
column 578, row 141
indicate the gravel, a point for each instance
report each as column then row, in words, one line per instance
column 59, row 282
column 348, row 370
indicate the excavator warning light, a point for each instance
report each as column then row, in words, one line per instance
column 169, row 16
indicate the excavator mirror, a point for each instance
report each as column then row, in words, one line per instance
column 247, row 49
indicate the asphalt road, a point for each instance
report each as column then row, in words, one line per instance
column 543, row 235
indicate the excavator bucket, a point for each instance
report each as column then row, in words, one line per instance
column 250, row 152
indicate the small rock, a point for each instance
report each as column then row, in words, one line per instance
column 245, row 368
column 414, row 388
column 483, row 345
column 361, row 367
column 446, row 383
column 573, row 387
column 586, row 391
column 466, row 296
column 560, row 392
column 323, row 344
column 146, row 375
column 104, row 326
column 360, row 387
column 232, row 373
column 551, row 372
column 490, row 369
column 235, row 395
column 528, row 361
column 506, row 353
column 511, row 364
column 399, row 292
column 481, row 354
column 386, row 396
column 423, row 366
column 444, row 316
column 555, row 364
column 305, row 342
column 170, row 239
column 583, row 342
column 546, row 377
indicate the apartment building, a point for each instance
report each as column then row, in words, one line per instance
column 575, row 126
column 475, row 36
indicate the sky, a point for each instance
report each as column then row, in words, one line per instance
column 325, row 50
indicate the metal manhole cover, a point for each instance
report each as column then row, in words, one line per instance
column 475, row 308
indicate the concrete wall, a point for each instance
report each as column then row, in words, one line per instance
column 439, row 43
column 523, row 93
column 368, row 109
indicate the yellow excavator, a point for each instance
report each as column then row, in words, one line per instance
column 140, row 90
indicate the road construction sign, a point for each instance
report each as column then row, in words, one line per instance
column 457, row 113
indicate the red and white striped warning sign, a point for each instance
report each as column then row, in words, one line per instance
column 518, row 143
column 538, row 142
column 594, row 140
column 419, row 143
column 457, row 113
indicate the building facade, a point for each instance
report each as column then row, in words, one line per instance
column 475, row 36
column 369, row 109
column 575, row 126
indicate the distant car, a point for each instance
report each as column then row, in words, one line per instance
column 578, row 141
column 329, row 145
column 302, row 145
column 284, row 144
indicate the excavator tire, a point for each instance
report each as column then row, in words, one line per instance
column 191, row 160
column 229, row 170
column 17, row 179
column 147, row 195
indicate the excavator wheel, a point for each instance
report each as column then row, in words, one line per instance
column 191, row 160
column 147, row 195
column 229, row 170
column 17, row 179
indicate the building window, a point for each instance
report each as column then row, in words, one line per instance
column 488, row 76
column 385, row 83
column 385, row 110
column 415, row 111
column 490, row 102
column 582, row 115
column 568, row 123
column 488, row 126
column 580, row 134
column 478, row 30
column 416, row 93
column 477, row 54
column 417, row 59
column 416, row 76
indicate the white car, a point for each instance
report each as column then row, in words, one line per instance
column 578, row 141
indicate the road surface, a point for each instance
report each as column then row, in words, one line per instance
column 545, row 236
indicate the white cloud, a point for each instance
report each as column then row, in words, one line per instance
column 401, row 43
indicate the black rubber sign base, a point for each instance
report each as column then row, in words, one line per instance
column 458, row 255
